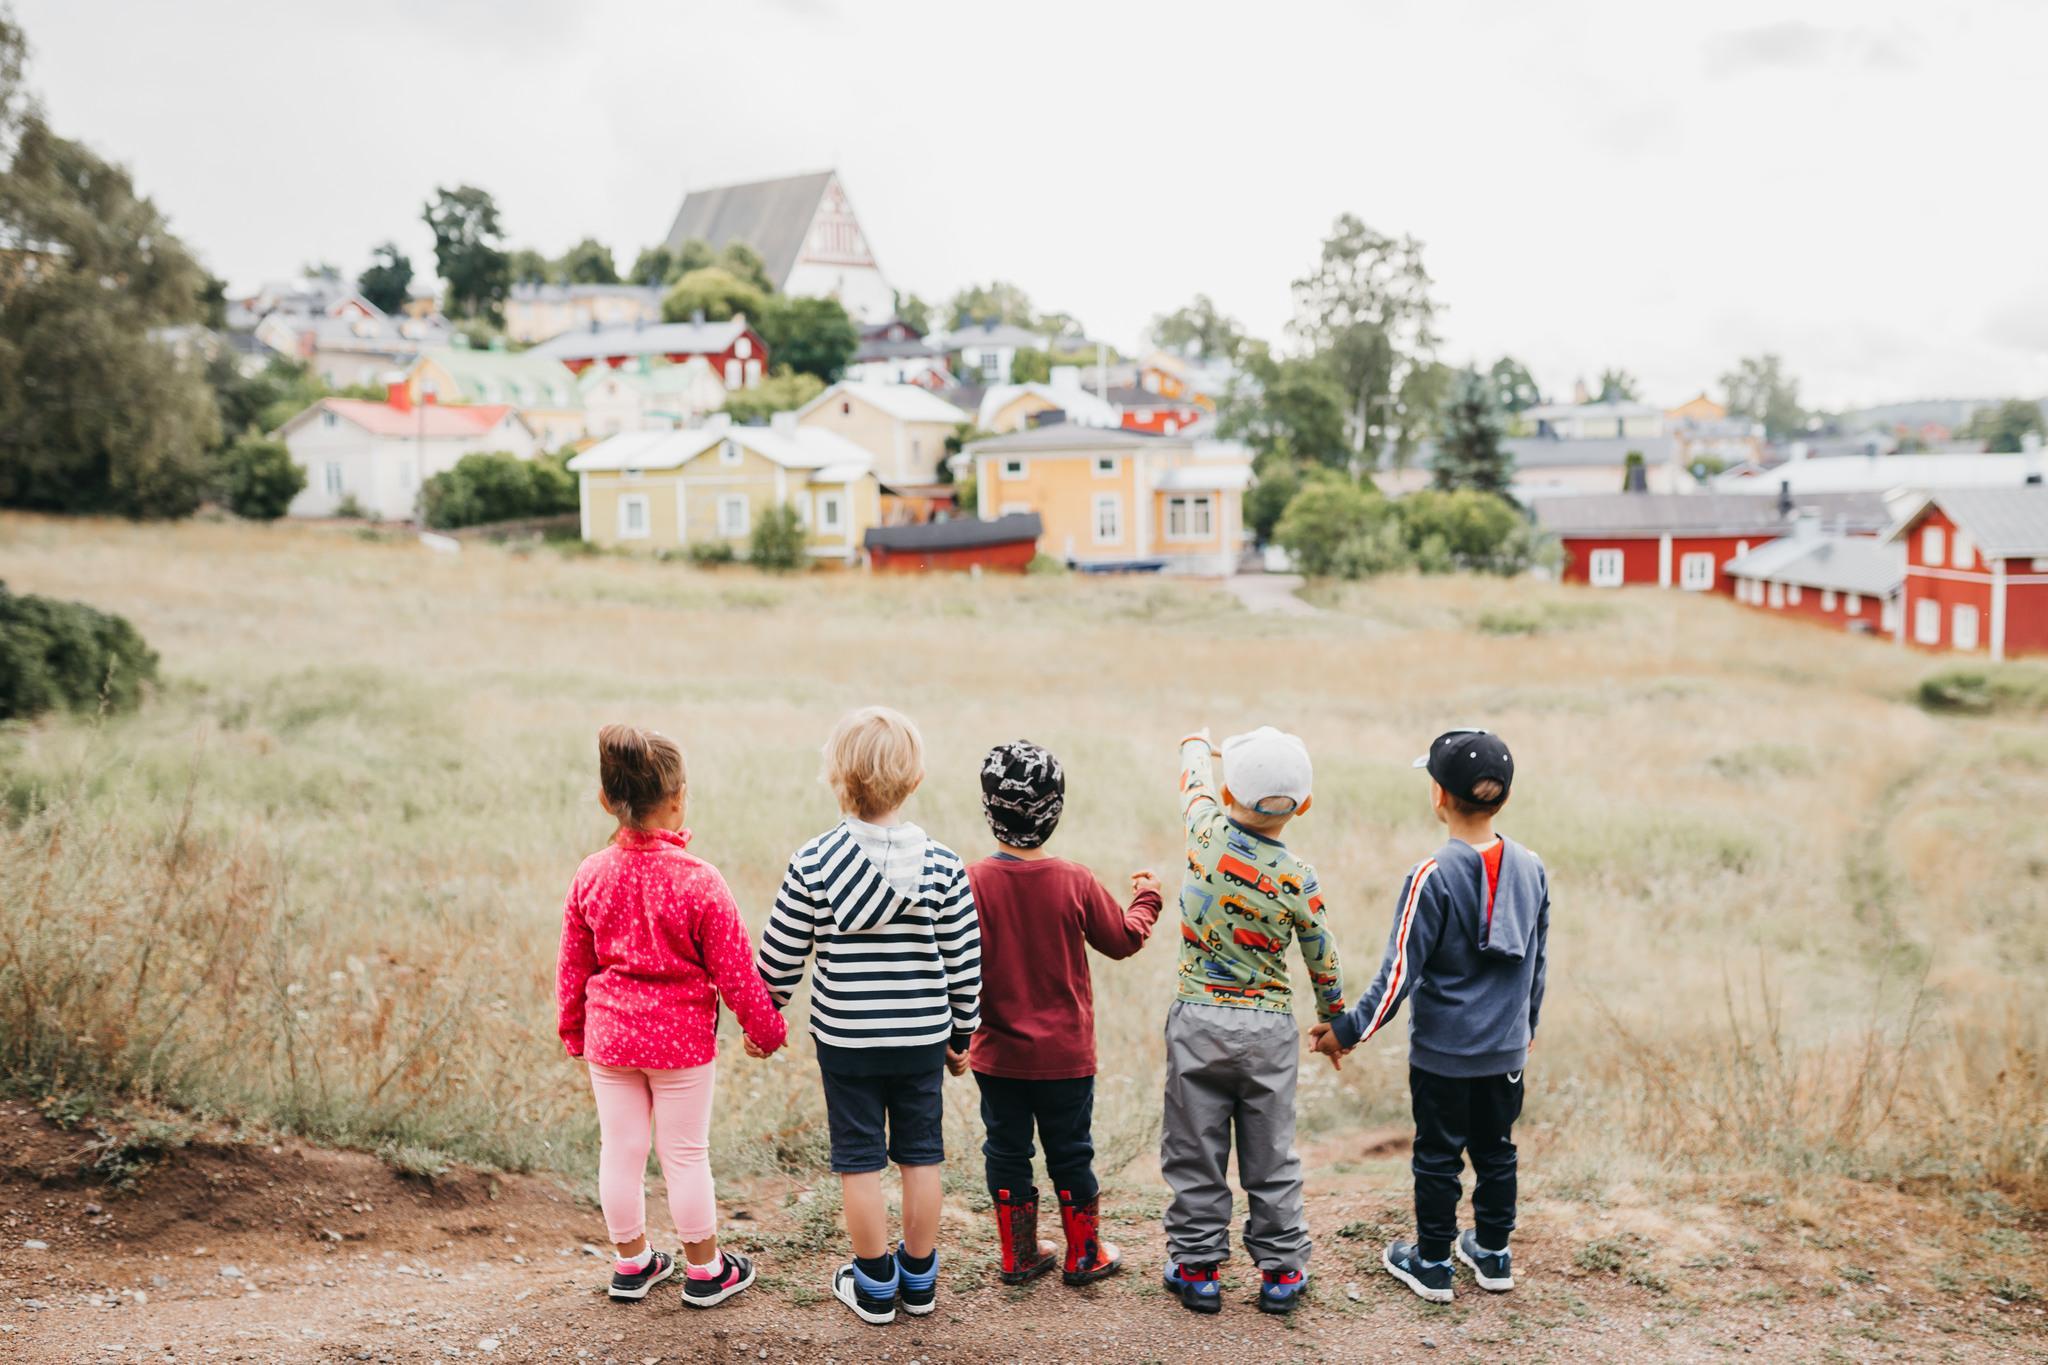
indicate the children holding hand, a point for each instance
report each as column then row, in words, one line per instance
column 925, row 966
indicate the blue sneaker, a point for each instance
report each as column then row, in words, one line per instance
column 1491, row 1268
column 917, row 1293
column 1429, row 1279
column 1280, row 1290
column 1196, row 1284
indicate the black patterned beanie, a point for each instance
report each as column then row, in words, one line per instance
column 1023, row 792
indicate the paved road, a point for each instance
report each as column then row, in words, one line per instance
column 1274, row 593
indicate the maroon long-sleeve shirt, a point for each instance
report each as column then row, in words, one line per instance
column 1039, row 917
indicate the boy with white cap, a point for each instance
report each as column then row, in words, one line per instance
column 1232, row 1049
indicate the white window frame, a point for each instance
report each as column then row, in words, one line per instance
column 1696, row 571
column 729, row 525
column 743, row 348
column 1114, row 505
column 1933, row 546
column 1014, row 467
column 1962, row 551
column 1927, row 621
column 832, row 514
column 1105, row 466
column 729, row 453
column 1853, row 604
column 1963, row 631
column 1827, row 599
column 332, row 481
column 1776, row 598
column 635, row 502
column 1793, row 594
column 1181, row 507
column 732, row 373
column 1606, row 567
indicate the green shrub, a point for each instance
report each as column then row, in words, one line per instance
column 1333, row 526
column 1983, row 690
column 1043, row 563
column 496, row 485
column 258, row 479
column 349, row 508
column 711, row 553
column 784, row 390
column 1465, row 529
column 67, row 654
column 778, row 539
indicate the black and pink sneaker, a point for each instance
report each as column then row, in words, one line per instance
column 735, row 1272
column 634, row 1284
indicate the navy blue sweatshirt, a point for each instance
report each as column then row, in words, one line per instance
column 1476, row 972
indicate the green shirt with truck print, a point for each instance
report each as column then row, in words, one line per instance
column 1245, row 896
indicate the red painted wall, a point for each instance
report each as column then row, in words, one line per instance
column 1810, row 607
column 1639, row 556
column 1948, row 592
column 716, row 359
column 992, row 558
column 2026, row 611
column 1154, row 420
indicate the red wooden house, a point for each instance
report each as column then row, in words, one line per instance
column 1977, row 570
column 1682, row 540
column 732, row 348
column 1006, row 544
column 1850, row 582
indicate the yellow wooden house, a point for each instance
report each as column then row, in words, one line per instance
column 1110, row 498
column 667, row 490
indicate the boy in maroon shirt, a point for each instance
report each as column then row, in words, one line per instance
column 1034, row 1054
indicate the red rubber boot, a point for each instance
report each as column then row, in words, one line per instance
column 1025, row 1258
column 1089, row 1258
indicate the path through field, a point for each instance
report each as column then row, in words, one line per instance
column 252, row 1251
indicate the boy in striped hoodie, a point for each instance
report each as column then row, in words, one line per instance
column 894, row 1001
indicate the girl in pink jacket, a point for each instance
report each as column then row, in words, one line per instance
column 651, row 940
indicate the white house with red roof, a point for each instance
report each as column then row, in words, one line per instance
column 378, row 454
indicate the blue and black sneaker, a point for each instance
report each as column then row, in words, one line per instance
column 1196, row 1283
column 872, row 1301
column 632, row 1285
column 1491, row 1268
column 917, row 1290
column 1280, row 1290
column 1429, row 1279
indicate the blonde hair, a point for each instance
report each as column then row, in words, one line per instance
column 874, row 760
column 638, row 769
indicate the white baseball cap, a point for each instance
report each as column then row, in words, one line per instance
column 1267, row 770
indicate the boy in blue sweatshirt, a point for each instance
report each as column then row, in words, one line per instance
column 1468, row 942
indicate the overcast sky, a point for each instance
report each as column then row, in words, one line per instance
column 1661, row 186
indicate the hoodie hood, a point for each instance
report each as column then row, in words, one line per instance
column 876, row 874
column 1506, row 929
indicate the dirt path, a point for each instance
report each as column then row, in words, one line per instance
column 1275, row 594
column 255, row 1252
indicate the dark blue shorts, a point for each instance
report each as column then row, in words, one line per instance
column 912, row 1106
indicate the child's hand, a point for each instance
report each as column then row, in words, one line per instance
column 1322, row 1038
column 1148, row 880
column 956, row 1062
column 756, row 1051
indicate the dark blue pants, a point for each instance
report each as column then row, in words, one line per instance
column 1457, row 1117
column 1062, row 1112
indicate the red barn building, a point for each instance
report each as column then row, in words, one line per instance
column 1977, row 570
column 1681, row 540
column 1144, row 410
column 732, row 349
column 1005, row 545
column 1850, row 582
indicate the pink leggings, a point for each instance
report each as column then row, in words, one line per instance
column 679, row 1105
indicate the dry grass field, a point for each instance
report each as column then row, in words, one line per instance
column 314, row 885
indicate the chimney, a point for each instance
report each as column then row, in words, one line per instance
column 782, row 423
column 696, row 317
column 1806, row 525
column 1579, row 394
column 1784, row 498
column 395, row 393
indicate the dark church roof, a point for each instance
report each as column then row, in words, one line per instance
column 770, row 216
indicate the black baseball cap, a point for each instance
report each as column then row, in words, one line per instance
column 1460, row 760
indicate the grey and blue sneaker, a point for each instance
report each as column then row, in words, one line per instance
column 872, row 1301
column 632, row 1285
column 1491, row 1268
column 1197, row 1285
column 917, row 1291
column 1429, row 1279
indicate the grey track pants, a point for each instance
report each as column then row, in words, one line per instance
column 1232, row 1071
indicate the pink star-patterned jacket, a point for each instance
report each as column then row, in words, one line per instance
column 650, row 940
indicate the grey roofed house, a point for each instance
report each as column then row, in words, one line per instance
column 2005, row 522
column 1858, row 564
column 667, row 338
column 996, row 334
column 1704, row 514
column 771, row 216
column 1546, row 452
column 960, row 533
